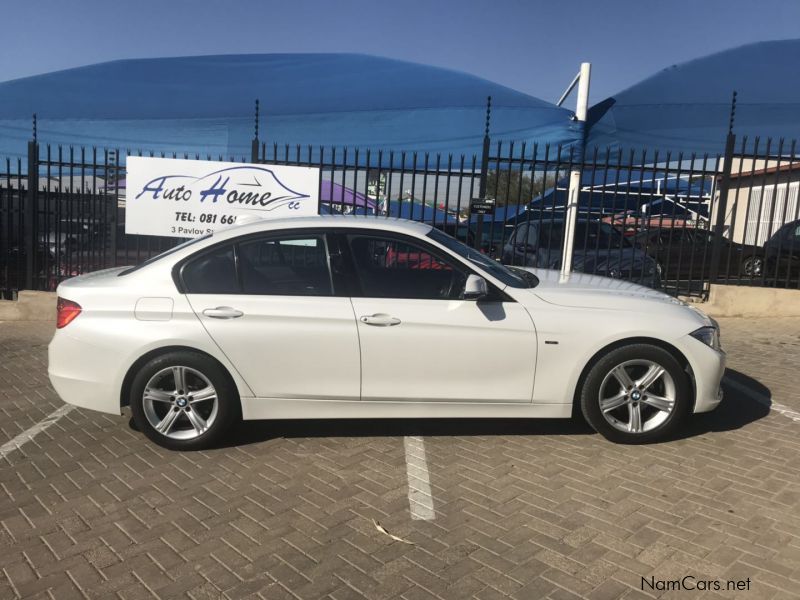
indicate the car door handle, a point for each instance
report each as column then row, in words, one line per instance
column 223, row 312
column 380, row 320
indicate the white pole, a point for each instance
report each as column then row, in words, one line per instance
column 573, row 195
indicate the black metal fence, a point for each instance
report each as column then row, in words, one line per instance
column 675, row 221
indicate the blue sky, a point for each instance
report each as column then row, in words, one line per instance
column 533, row 46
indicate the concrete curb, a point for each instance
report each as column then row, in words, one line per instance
column 745, row 301
column 29, row 306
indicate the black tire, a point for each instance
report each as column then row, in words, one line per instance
column 602, row 369
column 228, row 405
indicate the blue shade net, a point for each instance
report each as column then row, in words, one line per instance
column 205, row 105
column 686, row 108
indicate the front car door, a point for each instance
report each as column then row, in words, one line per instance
column 420, row 341
column 271, row 305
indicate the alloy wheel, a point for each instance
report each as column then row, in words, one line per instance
column 180, row 403
column 637, row 396
column 753, row 266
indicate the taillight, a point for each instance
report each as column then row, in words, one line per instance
column 66, row 311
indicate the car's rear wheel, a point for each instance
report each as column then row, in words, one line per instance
column 184, row 401
column 636, row 394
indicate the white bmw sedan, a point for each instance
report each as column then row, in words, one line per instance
column 359, row 317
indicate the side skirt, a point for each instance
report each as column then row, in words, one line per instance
column 283, row 408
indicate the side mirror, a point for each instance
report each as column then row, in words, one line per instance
column 475, row 288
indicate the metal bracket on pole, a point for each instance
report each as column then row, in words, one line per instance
column 484, row 174
column 254, row 147
column 573, row 195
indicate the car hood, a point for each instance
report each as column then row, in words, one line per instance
column 579, row 290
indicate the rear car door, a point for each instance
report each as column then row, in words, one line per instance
column 270, row 303
column 420, row 341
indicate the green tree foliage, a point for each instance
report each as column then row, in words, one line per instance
column 511, row 187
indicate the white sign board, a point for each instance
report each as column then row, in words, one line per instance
column 186, row 198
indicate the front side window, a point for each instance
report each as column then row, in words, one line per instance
column 286, row 266
column 387, row 267
column 590, row 235
column 520, row 233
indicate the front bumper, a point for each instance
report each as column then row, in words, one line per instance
column 708, row 367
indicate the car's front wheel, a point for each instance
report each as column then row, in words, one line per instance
column 636, row 394
column 752, row 266
column 183, row 401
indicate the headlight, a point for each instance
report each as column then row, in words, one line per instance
column 709, row 336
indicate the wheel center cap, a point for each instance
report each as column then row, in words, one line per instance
column 636, row 395
column 181, row 401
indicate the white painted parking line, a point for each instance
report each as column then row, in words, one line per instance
column 420, row 499
column 32, row 432
column 764, row 399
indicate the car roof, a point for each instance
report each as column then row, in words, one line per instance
column 325, row 221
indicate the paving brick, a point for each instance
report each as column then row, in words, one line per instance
column 524, row 510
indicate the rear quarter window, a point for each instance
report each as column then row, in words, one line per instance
column 213, row 272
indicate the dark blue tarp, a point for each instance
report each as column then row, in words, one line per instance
column 687, row 107
column 613, row 190
column 598, row 202
column 205, row 104
column 645, row 180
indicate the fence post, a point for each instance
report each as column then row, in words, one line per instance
column 722, row 207
column 482, row 182
column 574, row 191
column 254, row 146
column 31, row 210
column 722, row 204
column 113, row 163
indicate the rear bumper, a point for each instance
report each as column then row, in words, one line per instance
column 84, row 375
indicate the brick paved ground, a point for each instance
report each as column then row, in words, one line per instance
column 524, row 510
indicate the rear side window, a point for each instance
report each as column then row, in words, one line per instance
column 296, row 266
column 213, row 272
column 270, row 266
column 153, row 259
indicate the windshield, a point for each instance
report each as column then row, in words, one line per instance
column 153, row 259
column 517, row 278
